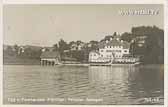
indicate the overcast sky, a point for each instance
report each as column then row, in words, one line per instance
column 45, row 25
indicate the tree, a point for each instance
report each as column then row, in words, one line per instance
column 115, row 34
column 9, row 51
column 127, row 37
column 94, row 45
column 70, row 43
column 62, row 46
column 107, row 38
column 79, row 42
column 16, row 48
column 79, row 55
column 55, row 47
column 153, row 50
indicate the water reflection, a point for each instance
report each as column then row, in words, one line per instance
column 115, row 85
column 133, row 82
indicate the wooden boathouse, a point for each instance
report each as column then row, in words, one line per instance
column 50, row 58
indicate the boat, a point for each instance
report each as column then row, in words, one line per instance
column 125, row 60
column 131, row 61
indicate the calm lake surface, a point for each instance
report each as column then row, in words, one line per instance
column 65, row 84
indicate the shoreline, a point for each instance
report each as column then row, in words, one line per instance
column 87, row 64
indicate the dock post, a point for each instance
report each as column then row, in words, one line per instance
column 40, row 62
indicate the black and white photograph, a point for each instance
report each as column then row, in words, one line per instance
column 83, row 54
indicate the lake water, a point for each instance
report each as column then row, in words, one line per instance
column 65, row 84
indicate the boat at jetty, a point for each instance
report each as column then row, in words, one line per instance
column 121, row 61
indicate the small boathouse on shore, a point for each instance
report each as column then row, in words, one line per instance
column 50, row 58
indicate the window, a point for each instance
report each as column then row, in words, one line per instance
column 125, row 50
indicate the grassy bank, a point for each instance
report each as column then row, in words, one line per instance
column 20, row 61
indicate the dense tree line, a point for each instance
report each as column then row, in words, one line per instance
column 81, row 55
column 15, row 51
column 152, row 50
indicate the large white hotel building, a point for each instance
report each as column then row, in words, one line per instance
column 110, row 49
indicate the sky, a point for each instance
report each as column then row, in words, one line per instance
column 45, row 25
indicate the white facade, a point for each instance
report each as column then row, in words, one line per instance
column 96, row 57
column 116, row 51
column 113, row 49
column 93, row 56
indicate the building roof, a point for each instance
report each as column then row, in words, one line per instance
column 49, row 54
column 114, row 42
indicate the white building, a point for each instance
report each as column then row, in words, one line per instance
column 108, row 50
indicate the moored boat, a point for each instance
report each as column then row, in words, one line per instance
column 123, row 61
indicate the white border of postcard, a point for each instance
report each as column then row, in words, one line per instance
column 165, row 2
